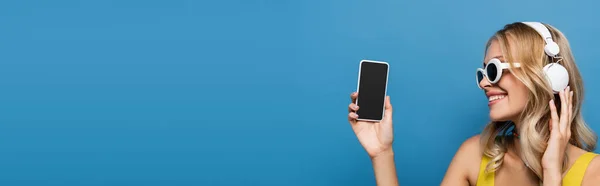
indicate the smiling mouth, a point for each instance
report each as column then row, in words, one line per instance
column 495, row 98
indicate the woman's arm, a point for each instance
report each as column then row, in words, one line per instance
column 552, row 178
column 377, row 139
column 466, row 157
column 385, row 168
column 560, row 134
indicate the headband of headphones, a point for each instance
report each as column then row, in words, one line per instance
column 551, row 47
column 556, row 74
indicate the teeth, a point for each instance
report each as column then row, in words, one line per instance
column 496, row 97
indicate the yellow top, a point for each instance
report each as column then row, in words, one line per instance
column 573, row 177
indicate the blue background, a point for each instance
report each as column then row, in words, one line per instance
column 134, row 92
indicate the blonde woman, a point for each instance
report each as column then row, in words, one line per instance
column 536, row 136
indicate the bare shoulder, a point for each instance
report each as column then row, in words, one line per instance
column 470, row 151
column 464, row 168
column 472, row 145
column 470, row 154
column 592, row 174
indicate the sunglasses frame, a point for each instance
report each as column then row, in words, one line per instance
column 500, row 66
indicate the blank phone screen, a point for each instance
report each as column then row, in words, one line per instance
column 372, row 90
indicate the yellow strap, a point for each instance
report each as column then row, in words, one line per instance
column 485, row 179
column 577, row 171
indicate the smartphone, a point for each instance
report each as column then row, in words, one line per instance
column 372, row 90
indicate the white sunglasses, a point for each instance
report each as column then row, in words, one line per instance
column 493, row 71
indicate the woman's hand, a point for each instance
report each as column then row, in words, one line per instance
column 375, row 137
column 560, row 133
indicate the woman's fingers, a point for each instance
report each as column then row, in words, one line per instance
column 563, row 111
column 352, row 116
column 388, row 109
column 554, row 117
column 570, row 117
column 353, row 97
column 353, row 107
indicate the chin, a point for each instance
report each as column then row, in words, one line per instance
column 496, row 117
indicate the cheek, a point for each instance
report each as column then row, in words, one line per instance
column 517, row 91
column 519, row 98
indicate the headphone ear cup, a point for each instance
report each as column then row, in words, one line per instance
column 557, row 76
column 551, row 49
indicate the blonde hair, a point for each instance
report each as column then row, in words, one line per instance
column 522, row 43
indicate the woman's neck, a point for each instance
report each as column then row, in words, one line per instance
column 515, row 139
column 516, row 123
column 515, row 142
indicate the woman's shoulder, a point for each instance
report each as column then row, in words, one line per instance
column 470, row 151
column 468, row 158
column 471, row 147
column 592, row 174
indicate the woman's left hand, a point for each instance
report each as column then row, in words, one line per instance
column 560, row 134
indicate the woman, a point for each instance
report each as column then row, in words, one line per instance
column 536, row 135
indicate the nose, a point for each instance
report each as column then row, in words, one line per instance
column 484, row 82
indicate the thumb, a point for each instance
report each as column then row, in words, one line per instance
column 388, row 109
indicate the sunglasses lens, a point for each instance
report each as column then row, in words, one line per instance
column 492, row 72
column 479, row 76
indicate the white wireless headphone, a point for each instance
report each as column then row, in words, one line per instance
column 556, row 74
